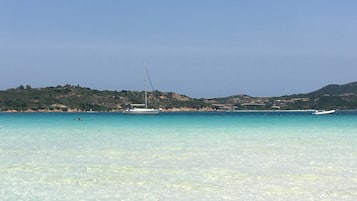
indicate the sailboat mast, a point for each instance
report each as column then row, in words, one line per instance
column 146, row 95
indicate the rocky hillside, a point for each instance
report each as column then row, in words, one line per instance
column 337, row 90
column 76, row 98
column 343, row 97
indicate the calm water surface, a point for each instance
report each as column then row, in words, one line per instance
column 180, row 156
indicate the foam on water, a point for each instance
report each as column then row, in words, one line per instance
column 207, row 156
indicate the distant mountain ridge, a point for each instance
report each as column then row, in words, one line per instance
column 335, row 89
column 333, row 96
column 75, row 98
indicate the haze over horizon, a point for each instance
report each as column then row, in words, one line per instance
column 200, row 49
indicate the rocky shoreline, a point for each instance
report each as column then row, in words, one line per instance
column 206, row 109
column 163, row 111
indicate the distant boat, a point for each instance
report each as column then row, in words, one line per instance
column 140, row 109
column 143, row 107
column 322, row 112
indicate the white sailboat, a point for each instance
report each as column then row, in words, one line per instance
column 142, row 108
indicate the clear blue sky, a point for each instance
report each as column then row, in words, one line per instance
column 200, row 48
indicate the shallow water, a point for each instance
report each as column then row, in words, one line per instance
column 179, row 156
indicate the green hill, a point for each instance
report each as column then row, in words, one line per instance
column 337, row 90
column 342, row 97
column 76, row 98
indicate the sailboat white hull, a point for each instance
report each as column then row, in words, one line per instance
column 141, row 111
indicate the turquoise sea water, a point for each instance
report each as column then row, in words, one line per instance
column 178, row 156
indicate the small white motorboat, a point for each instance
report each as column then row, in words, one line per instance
column 322, row 112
